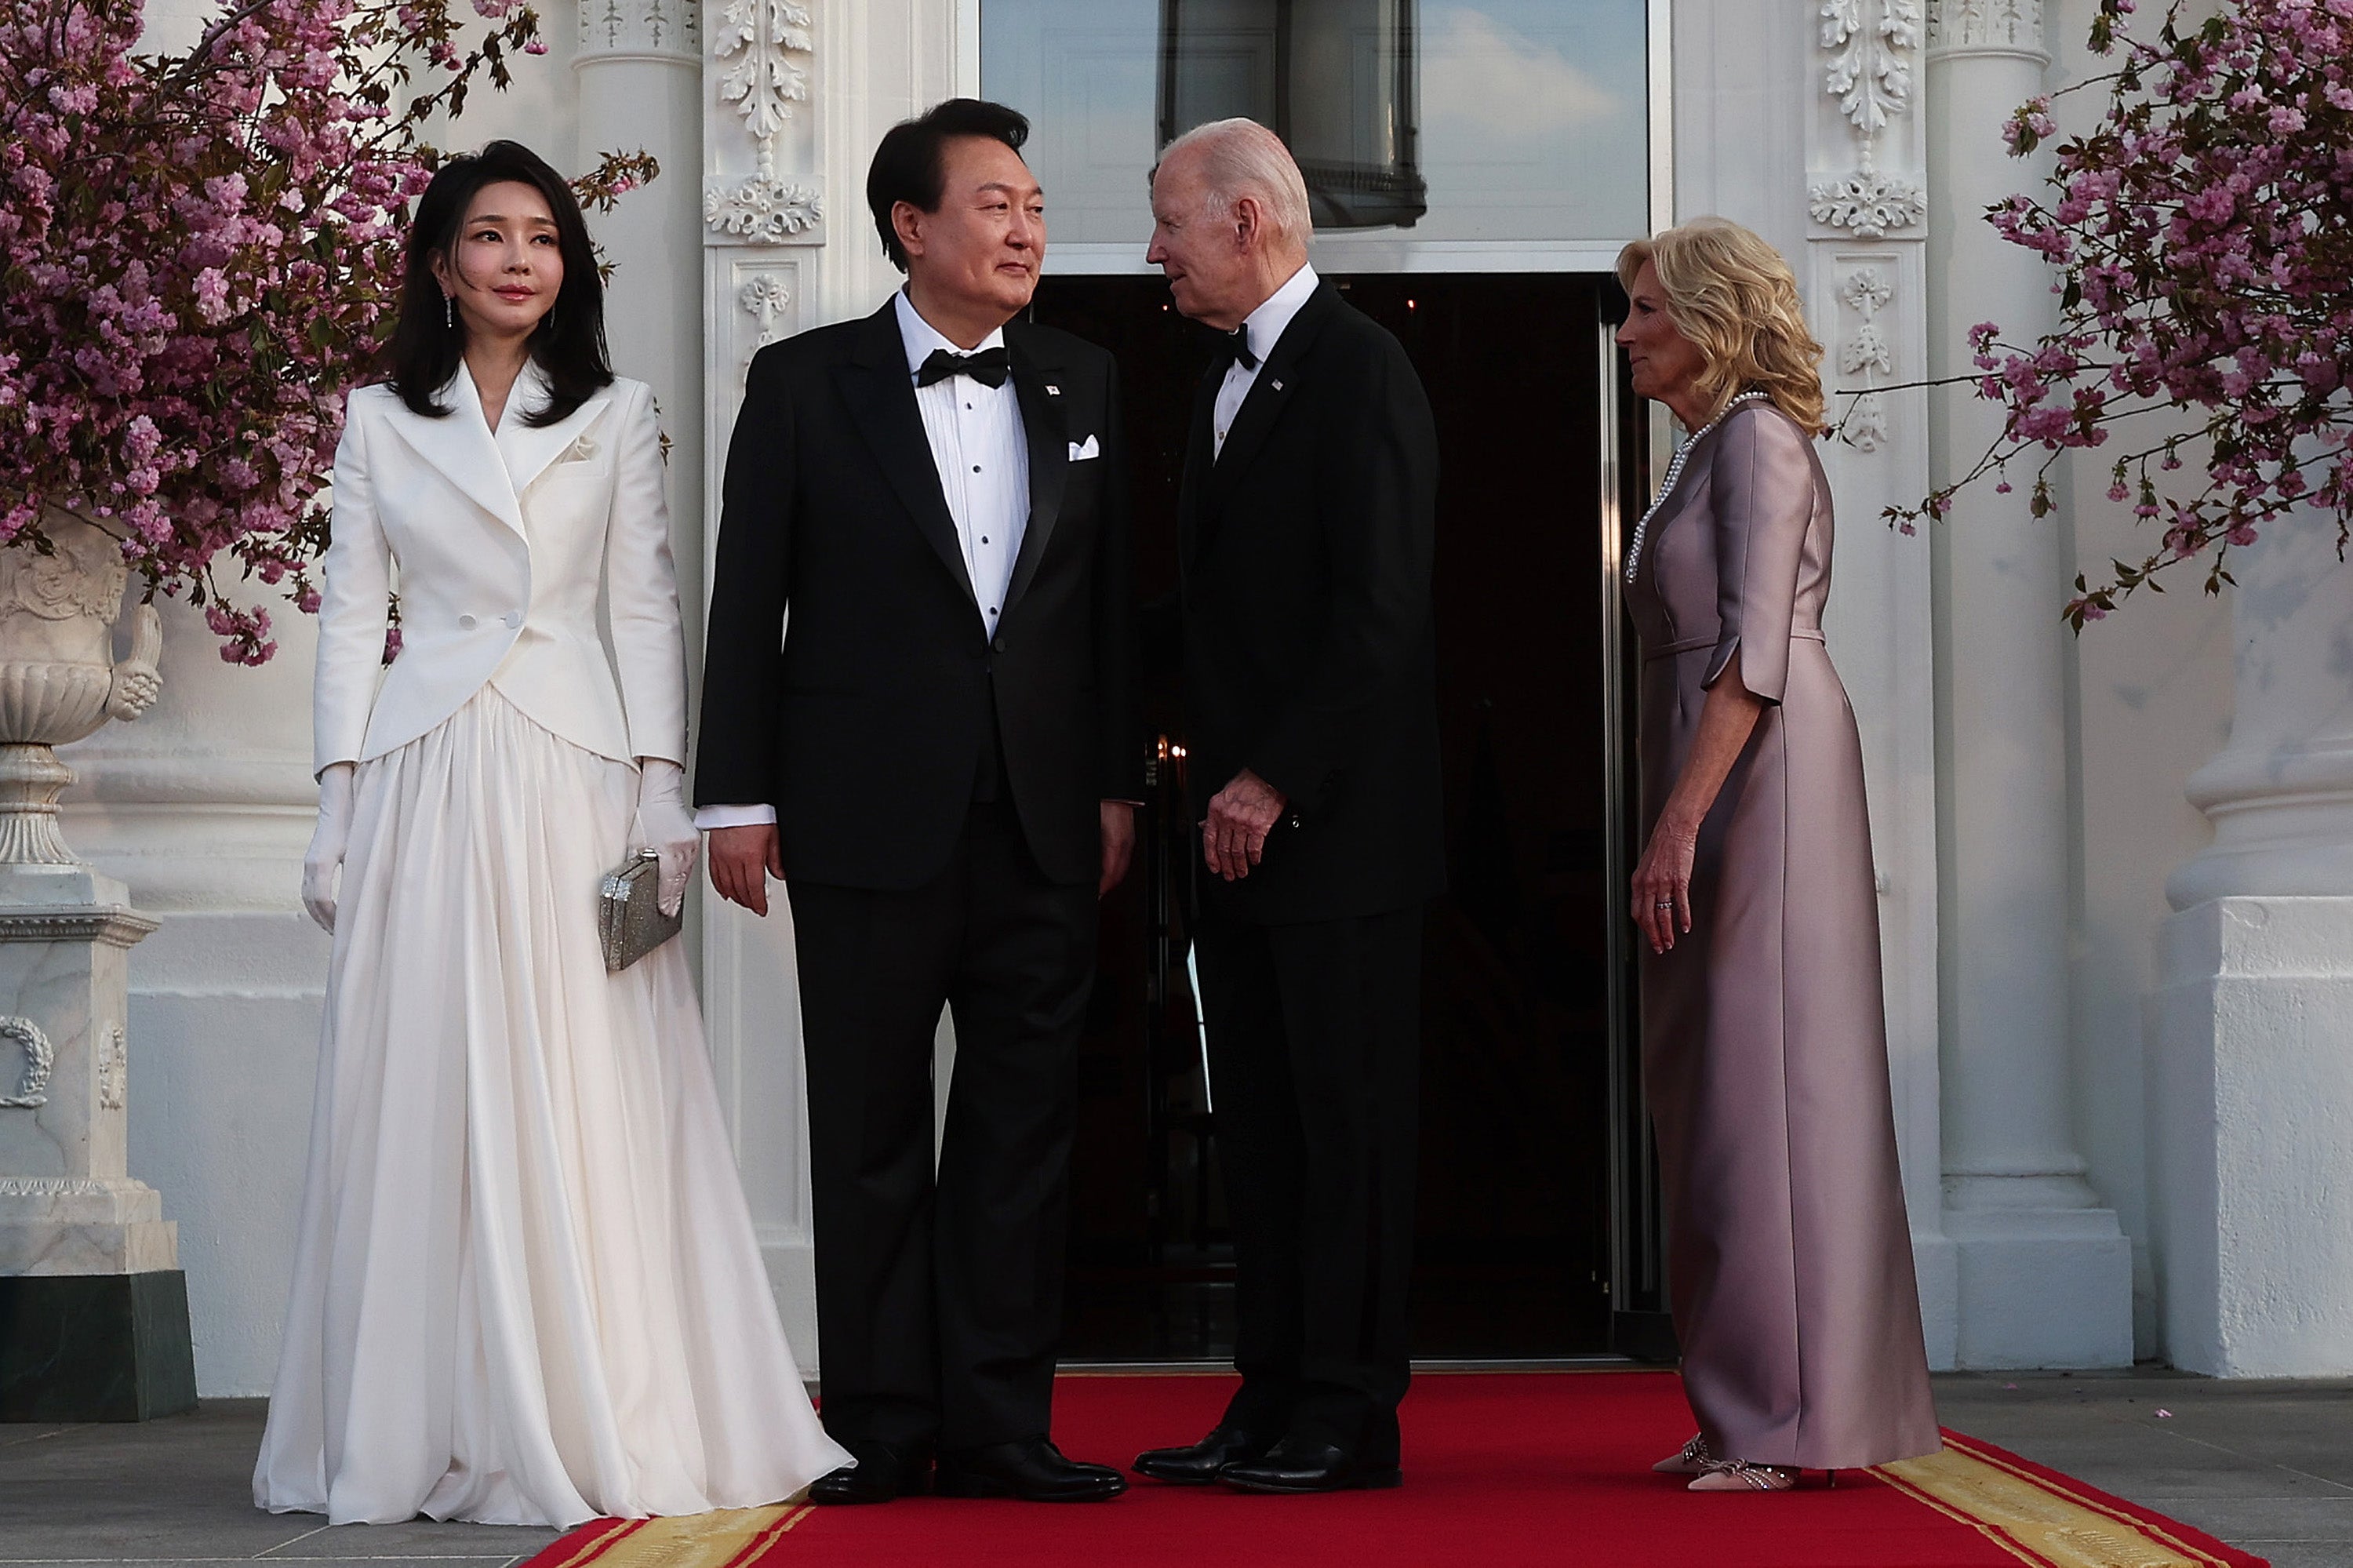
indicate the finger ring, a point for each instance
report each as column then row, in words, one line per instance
column 1665, row 904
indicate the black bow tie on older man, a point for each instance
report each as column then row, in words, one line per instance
column 989, row 366
column 1234, row 347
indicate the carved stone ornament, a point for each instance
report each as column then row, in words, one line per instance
column 765, row 297
column 641, row 28
column 1870, row 204
column 1871, row 46
column 58, row 676
column 760, row 209
column 764, row 47
column 1986, row 24
column 1866, row 352
column 40, row 1057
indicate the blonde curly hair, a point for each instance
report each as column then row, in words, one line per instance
column 1736, row 300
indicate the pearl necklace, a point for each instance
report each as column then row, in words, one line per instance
column 1675, row 472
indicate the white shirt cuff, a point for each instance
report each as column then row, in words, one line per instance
column 712, row 817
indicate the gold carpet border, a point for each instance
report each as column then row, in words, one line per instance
column 722, row 1539
column 2034, row 1520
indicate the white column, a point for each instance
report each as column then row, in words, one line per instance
column 638, row 64
column 2043, row 1273
column 1864, row 273
column 2251, row 1086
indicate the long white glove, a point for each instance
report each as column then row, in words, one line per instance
column 667, row 827
column 328, row 842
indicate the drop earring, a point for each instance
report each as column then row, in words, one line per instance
column 448, row 310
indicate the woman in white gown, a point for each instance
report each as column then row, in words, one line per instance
column 526, row 1288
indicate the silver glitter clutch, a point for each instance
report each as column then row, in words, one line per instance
column 628, row 911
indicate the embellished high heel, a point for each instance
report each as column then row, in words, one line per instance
column 1740, row 1476
column 1693, row 1459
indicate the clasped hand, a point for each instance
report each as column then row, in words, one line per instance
column 1233, row 835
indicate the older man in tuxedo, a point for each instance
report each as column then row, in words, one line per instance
column 934, row 754
column 1306, row 517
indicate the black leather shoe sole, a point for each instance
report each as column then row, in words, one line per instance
column 1241, row 1479
column 958, row 1484
column 1176, row 1472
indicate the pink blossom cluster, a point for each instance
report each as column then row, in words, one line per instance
column 2201, row 233
column 199, row 257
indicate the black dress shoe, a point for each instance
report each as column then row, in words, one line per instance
column 1199, row 1462
column 1031, row 1470
column 1303, row 1465
column 882, row 1473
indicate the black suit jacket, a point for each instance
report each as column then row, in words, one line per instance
column 863, row 717
column 1306, row 552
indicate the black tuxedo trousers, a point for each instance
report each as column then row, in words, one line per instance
column 939, row 1300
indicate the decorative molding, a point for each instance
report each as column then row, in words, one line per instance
column 762, row 210
column 1869, row 203
column 114, row 1068
column 1870, row 58
column 40, row 1057
column 763, row 49
column 662, row 29
column 767, row 298
column 116, row 924
column 1872, row 46
column 1866, row 352
column 2007, row 25
column 58, row 1187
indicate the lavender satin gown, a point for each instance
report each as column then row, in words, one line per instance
column 1764, row 1038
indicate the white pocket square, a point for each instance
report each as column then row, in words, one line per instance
column 1081, row 451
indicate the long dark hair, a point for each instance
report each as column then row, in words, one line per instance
column 569, row 342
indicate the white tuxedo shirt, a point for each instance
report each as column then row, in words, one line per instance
column 499, row 542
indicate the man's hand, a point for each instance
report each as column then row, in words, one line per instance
column 1241, row 816
column 742, row 861
column 1118, row 843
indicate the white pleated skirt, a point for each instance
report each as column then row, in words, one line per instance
column 526, row 1288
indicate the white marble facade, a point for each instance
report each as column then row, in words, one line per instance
column 2077, row 1128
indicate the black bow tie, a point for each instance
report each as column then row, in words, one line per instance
column 989, row 366
column 1236, row 346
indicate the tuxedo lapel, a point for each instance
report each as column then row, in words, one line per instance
column 1193, row 491
column 527, row 449
column 1048, row 434
column 880, row 396
column 1270, row 393
column 458, row 446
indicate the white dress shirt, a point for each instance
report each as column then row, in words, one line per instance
column 981, row 452
column 1264, row 327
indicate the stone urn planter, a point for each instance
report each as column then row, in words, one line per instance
column 90, row 1279
column 59, row 677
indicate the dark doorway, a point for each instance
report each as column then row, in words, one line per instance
column 1514, row 1220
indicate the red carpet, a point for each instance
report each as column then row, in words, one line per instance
column 1501, row 1469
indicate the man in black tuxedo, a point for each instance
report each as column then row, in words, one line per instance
column 935, row 753
column 1307, row 518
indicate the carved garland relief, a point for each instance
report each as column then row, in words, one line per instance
column 1871, row 46
column 1866, row 352
column 765, row 44
column 40, row 1057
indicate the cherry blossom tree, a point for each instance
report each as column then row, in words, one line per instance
column 2201, row 233
column 199, row 257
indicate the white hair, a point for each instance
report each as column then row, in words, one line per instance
column 1243, row 158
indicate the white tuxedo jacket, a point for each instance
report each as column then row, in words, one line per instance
column 500, row 543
